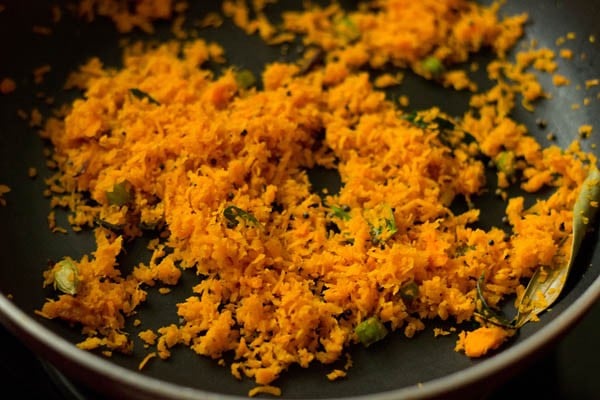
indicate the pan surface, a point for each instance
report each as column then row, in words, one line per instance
column 421, row 367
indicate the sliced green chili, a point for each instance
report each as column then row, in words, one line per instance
column 120, row 194
column 370, row 331
column 433, row 65
column 66, row 277
column 505, row 162
column 245, row 78
column 409, row 291
column 347, row 29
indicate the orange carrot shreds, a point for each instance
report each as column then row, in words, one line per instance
column 217, row 169
column 35, row 118
column 125, row 19
column 7, row 86
column 482, row 340
column 560, row 80
column 590, row 83
column 387, row 80
column 405, row 33
column 336, row 374
column 56, row 14
column 566, row 53
column 42, row 30
column 40, row 72
column 145, row 360
column 585, row 130
column 265, row 389
column 148, row 337
column 3, row 190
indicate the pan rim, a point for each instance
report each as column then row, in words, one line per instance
column 19, row 323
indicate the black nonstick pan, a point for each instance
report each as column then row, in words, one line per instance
column 422, row 367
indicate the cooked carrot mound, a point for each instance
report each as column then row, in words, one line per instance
column 219, row 171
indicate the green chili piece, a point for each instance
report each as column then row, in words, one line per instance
column 66, row 277
column 141, row 95
column 234, row 214
column 347, row 29
column 433, row 66
column 409, row 291
column 120, row 195
column 245, row 78
column 370, row 331
column 505, row 162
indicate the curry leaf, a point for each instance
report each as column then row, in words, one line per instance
column 546, row 284
column 120, row 194
column 140, row 94
column 234, row 214
column 485, row 311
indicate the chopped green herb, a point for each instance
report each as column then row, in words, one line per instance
column 463, row 249
column 415, row 119
column 141, row 95
column 340, row 212
column 370, row 331
column 234, row 214
column 382, row 224
column 443, row 125
column 66, row 277
column 120, row 195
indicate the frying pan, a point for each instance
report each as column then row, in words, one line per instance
column 397, row 368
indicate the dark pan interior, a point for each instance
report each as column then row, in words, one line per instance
column 393, row 368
